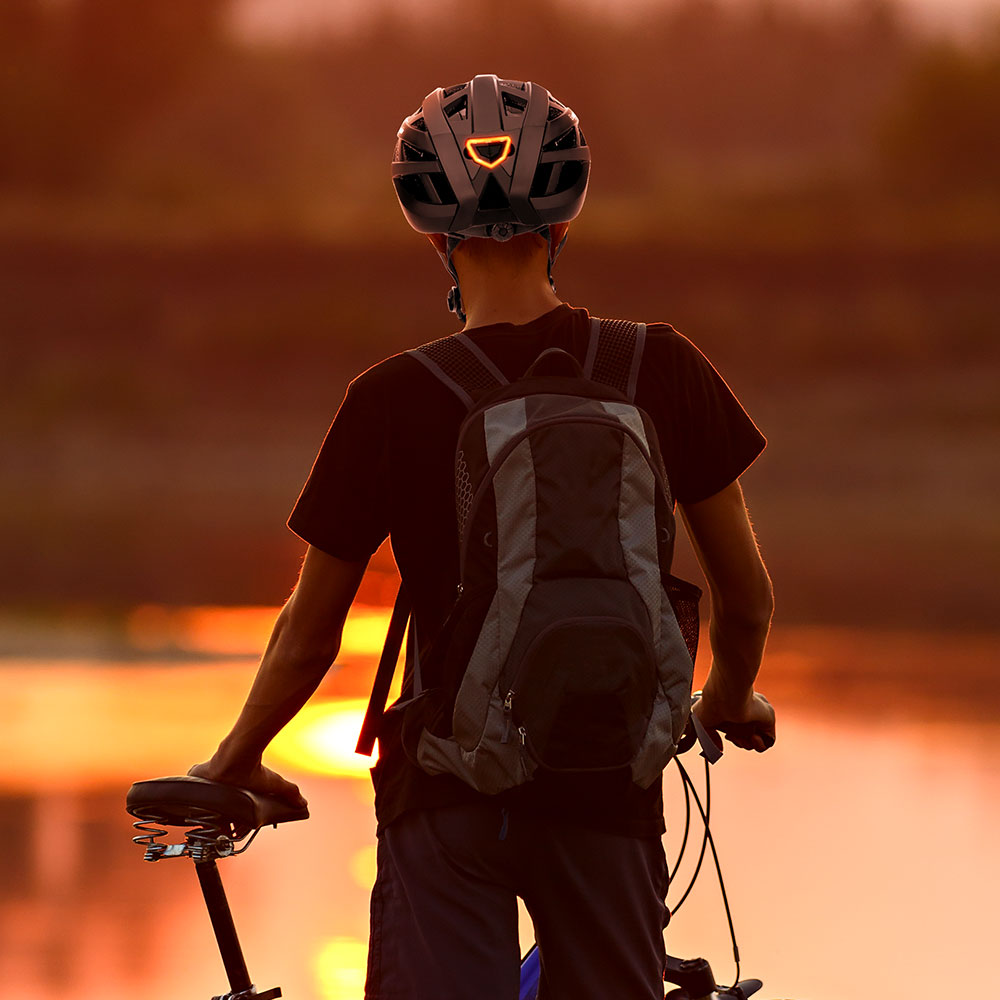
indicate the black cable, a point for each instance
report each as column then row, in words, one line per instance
column 689, row 788
column 687, row 828
column 718, row 868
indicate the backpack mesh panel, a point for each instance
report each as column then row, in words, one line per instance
column 684, row 601
column 463, row 492
column 463, row 367
column 613, row 361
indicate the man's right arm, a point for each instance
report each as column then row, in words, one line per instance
column 304, row 643
column 742, row 603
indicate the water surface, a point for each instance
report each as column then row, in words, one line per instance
column 859, row 854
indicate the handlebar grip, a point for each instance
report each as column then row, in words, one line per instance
column 747, row 731
column 743, row 730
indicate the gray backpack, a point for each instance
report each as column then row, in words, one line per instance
column 570, row 646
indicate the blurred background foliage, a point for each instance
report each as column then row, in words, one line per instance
column 199, row 246
column 161, row 111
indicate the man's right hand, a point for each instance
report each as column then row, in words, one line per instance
column 255, row 778
column 749, row 725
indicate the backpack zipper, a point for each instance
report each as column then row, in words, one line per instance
column 508, row 718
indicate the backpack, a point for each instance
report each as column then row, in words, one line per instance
column 569, row 647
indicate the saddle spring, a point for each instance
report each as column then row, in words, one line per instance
column 206, row 836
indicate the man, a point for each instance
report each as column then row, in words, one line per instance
column 493, row 171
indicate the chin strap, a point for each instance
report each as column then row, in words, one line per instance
column 455, row 292
column 455, row 302
column 554, row 251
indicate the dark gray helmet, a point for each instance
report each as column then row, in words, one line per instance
column 490, row 158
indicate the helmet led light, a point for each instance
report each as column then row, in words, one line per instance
column 489, row 151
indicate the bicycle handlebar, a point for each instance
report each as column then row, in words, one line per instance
column 746, row 730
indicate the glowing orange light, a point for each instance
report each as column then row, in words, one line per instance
column 474, row 145
column 321, row 739
column 240, row 631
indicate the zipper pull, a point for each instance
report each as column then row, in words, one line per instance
column 507, row 717
column 524, row 736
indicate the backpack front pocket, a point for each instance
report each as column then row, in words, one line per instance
column 581, row 696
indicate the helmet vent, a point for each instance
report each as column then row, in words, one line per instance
column 554, row 178
column 460, row 107
column 540, row 182
column 567, row 140
column 514, row 105
column 442, row 189
column 555, row 110
column 411, row 153
column 426, row 189
column 419, row 124
column 448, row 91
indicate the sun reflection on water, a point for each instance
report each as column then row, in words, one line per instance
column 321, row 739
column 363, row 865
column 238, row 631
column 340, row 969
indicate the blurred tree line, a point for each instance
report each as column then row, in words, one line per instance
column 158, row 104
column 813, row 195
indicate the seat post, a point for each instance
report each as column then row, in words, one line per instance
column 222, row 924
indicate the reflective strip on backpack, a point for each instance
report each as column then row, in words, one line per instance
column 637, row 531
column 514, row 489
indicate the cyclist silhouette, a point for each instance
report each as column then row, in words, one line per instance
column 493, row 171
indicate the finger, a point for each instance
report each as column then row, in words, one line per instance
column 295, row 796
column 289, row 791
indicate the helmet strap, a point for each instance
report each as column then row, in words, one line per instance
column 455, row 293
column 554, row 251
column 455, row 302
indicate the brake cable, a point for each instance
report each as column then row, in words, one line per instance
column 707, row 841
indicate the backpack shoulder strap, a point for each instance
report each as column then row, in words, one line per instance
column 614, row 353
column 401, row 615
column 461, row 365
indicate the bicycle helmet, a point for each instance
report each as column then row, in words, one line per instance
column 490, row 158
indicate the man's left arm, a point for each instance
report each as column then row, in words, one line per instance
column 303, row 645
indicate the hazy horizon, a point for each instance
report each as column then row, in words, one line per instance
column 281, row 19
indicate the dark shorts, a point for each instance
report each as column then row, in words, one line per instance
column 444, row 908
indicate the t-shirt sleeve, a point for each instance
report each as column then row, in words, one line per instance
column 712, row 440
column 344, row 506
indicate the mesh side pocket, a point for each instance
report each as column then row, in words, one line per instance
column 684, row 598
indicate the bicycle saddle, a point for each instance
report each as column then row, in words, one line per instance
column 183, row 800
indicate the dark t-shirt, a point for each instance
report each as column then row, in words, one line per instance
column 387, row 468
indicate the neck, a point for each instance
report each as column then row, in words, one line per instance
column 507, row 304
column 504, row 283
